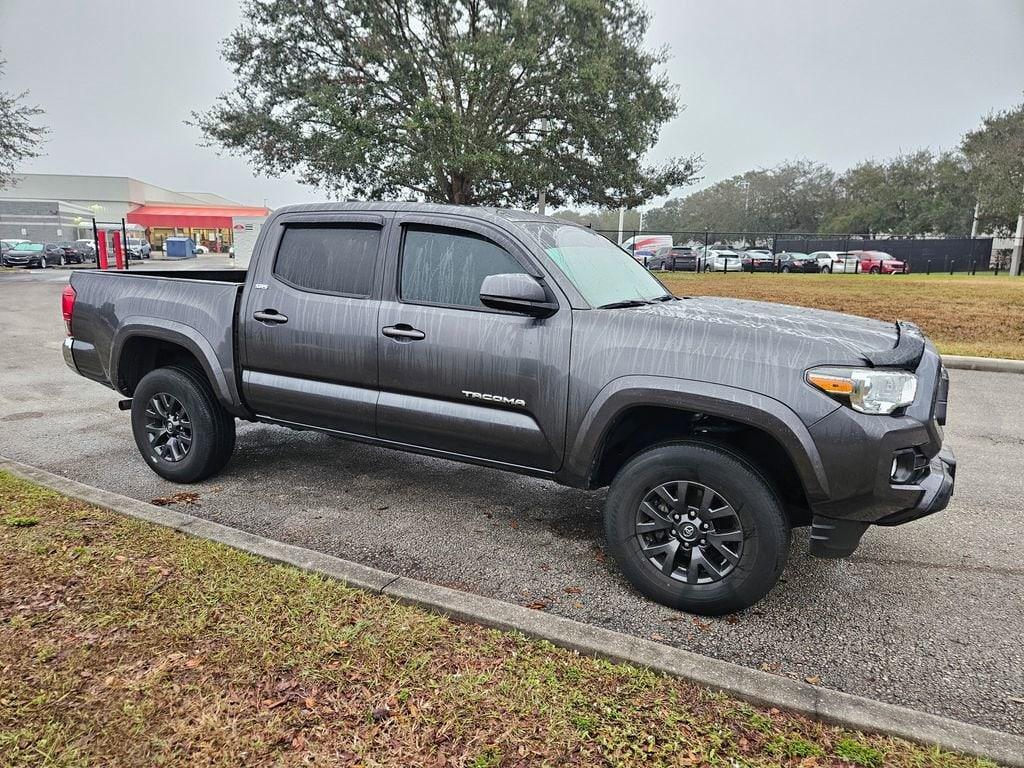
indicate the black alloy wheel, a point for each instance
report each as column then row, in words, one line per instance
column 169, row 427
column 689, row 532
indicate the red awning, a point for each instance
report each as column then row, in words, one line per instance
column 204, row 217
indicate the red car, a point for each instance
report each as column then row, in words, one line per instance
column 880, row 262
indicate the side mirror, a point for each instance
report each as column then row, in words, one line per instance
column 516, row 293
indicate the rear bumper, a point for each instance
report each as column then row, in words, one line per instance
column 68, row 350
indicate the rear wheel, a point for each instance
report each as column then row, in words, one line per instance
column 826, row 270
column 875, row 270
column 697, row 528
column 180, row 429
column 785, row 269
column 42, row 262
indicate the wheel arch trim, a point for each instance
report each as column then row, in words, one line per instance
column 224, row 386
column 751, row 408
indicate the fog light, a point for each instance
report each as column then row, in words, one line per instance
column 907, row 465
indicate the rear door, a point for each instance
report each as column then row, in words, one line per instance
column 456, row 376
column 309, row 321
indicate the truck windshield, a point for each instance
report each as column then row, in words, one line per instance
column 601, row 271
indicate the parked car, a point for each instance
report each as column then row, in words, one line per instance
column 7, row 244
column 718, row 423
column 643, row 256
column 138, row 248
column 719, row 258
column 757, row 260
column 202, row 250
column 675, row 259
column 71, row 253
column 835, row 261
column 646, row 243
column 880, row 262
column 41, row 255
column 797, row 262
column 87, row 248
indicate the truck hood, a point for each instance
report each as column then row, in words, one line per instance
column 813, row 331
column 755, row 346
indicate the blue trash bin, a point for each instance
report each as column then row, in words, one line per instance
column 179, row 248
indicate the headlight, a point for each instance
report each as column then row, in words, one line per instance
column 868, row 390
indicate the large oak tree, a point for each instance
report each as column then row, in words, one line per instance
column 465, row 101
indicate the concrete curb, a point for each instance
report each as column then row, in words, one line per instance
column 991, row 364
column 748, row 684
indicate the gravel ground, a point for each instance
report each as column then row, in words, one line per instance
column 929, row 615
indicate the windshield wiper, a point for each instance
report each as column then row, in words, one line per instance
column 666, row 297
column 626, row 303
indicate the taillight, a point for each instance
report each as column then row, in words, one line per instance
column 67, row 306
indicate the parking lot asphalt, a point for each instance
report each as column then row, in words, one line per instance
column 928, row 615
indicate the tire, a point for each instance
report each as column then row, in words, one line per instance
column 826, row 270
column 62, row 262
column 875, row 270
column 42, row 262
column 211, row 429
column 786, row 270
column 757, row 519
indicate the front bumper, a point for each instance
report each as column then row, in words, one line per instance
column 859, row 452
column 834, row 538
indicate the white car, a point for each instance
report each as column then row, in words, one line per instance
column 202, row 250
column 836, row 261
column 719, row 258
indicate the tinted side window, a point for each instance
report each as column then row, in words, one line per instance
column 329, row 259
column 441, row 266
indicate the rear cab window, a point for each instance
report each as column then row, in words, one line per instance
column 329, row 258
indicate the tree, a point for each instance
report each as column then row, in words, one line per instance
column 791, row 197
column 995, row 158
column 20, row 138
column 604, row 220
column 917, row 193
column 465, row 101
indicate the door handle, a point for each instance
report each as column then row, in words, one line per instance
column 403, row 332
column 271, row 316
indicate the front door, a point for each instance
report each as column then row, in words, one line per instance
column 456, row 376
column 309, row 322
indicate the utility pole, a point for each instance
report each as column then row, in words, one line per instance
column 641, row 227
column 1018, row 239
column 541, row 193
column 621, row 212
column 974, row 224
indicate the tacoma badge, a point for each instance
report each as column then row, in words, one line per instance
column 494, row 398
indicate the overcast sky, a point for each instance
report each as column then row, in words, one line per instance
column 763, row 81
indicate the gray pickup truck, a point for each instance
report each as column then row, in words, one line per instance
column 529, row 344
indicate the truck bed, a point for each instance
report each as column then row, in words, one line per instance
column 195, row 309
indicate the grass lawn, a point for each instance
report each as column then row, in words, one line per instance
column 964, row 315
column 123, row 643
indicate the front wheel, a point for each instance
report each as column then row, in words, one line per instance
column 42, row 262
column 785, row 270
column 875, row 270
column 826, row 270
column 697, row 528
column 180, row 429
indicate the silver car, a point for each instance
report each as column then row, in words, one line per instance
column 720, row 258
column 836, row 261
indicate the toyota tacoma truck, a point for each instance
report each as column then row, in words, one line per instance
column 529, row 344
